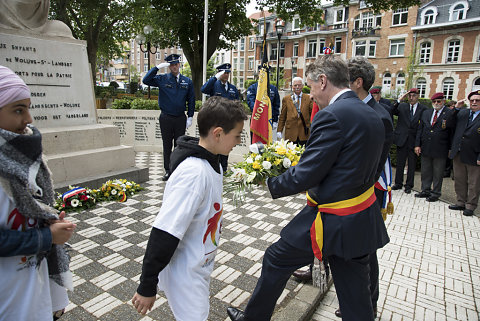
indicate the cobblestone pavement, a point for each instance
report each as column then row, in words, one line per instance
column 110, row 241
column 430, row 270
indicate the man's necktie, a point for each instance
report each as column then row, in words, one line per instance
column 297, row 105
column 411, row 111
column 435, row 117
column 470, row 118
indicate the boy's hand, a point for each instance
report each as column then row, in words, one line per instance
column 142, row 303
column 61, row 231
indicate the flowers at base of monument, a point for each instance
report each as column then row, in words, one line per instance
column 75, row 199
column 117, row 190
column 261, row 163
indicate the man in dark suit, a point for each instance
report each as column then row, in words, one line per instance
column 376, row 93
column 404, row 137
column 342, row 220
column 465, row 153
column 433, row 142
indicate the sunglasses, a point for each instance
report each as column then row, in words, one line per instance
column 437, row 101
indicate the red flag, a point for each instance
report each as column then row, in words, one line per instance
column 261, row 122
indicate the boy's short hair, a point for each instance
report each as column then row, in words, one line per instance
column 221, row 112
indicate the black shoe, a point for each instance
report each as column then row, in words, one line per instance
column 422, row 194
column 303, row 275
column 235, row 314
column 396, row 186
column 456, row 207
column 338, row 313
column 432, row 198
column 166, row 176
column 467, row 212
column 408, row 190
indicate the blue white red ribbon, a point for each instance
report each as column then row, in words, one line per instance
column 73, row 192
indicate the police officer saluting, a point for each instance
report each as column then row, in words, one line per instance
column 175, row 94
column 219, row 86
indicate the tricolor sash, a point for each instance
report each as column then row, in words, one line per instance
column 72, row 192
column 384, row 183
column 340, row 208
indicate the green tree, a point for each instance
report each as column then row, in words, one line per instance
column 211, row 71
column 103, row 24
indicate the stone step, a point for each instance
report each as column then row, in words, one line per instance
column 60, row 140
column 78, row 165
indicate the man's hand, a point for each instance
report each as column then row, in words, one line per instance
column 163, row 65
column 418, row 150
column 143, row 304
column 279, row 135
column 219, row 74
column 402, row 97
column 274, row 126
column 61, row 231
column 460, row 103
column 189, row 122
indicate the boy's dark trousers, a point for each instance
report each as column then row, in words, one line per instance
column 171, row 127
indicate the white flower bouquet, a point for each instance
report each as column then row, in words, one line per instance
column 262, row 162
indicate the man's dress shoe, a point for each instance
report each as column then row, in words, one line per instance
column 456, row 207
column 235, row 314
column 303, row 275
column 396, row 186
column 467, row 212
column 338, row 313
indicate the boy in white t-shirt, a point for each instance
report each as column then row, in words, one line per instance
column 185, row 235
column 33, row 263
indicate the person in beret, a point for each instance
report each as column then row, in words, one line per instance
column 175, row 95
column 465, row 153
column 404, row 137
column 432, row 142
column 376, row 93
column 219, row 86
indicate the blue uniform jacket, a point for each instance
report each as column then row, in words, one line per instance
column 214, row 87
column 466, row 139
column 340, row 162
column 274, row 98
column 173, row 97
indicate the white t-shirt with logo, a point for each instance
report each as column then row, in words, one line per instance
column 24, row 288
column 192, row 212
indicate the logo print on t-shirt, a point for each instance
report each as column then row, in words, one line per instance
column 213, row 224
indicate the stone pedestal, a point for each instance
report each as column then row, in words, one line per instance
column 78, row 150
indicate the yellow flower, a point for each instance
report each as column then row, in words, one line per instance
column 256, row 165
column 277, row 161
column 280, row 150
column 109, row 189
column 105, row 194
column 294, row 163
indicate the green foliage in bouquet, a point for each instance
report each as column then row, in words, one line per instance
column 75, row 199
column 261, row 163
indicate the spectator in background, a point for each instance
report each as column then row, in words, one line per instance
column 376, row 93
column 295, row 115
column 465, row 153
column 404, row 137
column 448, row 164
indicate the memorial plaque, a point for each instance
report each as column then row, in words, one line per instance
column 57, row 72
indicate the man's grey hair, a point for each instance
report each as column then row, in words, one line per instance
column 360, row 67
column 335, row 68
column 296, row 79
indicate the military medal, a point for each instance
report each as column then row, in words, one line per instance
column 444, row 124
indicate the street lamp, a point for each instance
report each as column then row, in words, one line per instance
column 291, row 78
column 279, row 28
column 141, row 39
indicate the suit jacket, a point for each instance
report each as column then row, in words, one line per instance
column 466, row 139
column 290, row 120
column 274, row 99
column 406, row 130
column 214, row 87
column 387, row 104
column 340, row 162
column 435, row 140
column 386, row 118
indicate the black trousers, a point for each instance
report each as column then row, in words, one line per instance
column 432, row 173
column 405, row 153
column 171, row 127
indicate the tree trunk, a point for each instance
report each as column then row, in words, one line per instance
column 92, row 59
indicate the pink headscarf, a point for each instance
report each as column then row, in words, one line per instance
column 12, row 87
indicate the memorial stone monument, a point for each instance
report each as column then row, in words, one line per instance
column 54, row 65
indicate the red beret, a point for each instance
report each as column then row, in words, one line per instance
column 476, row 92
column 413, row 91
column 437, row 96
column 375, row 90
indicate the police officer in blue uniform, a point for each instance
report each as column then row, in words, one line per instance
column 219, row 86
column 274, row 98
column 175, row 94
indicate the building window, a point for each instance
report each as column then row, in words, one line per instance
column 282, row 49
column 372, row 48
column 453, row 51
column 476, row 84
column 387, row 82
column 296, row 24
column 145, row 68
column 321, row 45
column 338, row 44
column 250, row 63
column 367, row 20
column 458, row 11
column 425, row 52
column 362, row 46
column 428, row 17
column 400, row 81
column 251, row 43
column 312, row 48
column 397, row 47
column 242, row 64
column 273, row 51
column 400, row 17
column 294, row 72
column 295, row 49
column 145, row 55
column 339, row 15
column 422, row 87
column 235, row 60
column 448, row 86
column 242, row 44
column 241, row 82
